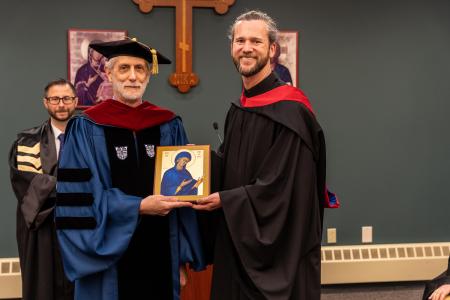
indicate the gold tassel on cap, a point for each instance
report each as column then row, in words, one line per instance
column 155, row 68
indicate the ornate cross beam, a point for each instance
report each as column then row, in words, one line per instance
column 184, row 78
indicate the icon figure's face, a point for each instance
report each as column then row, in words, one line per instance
column 95, row 58
column 181, row 163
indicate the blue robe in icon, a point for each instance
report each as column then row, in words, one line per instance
column 173, row 178
column 105, row 170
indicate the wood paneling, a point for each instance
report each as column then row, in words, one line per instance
column 198, row 286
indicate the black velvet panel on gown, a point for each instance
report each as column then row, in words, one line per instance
column 145, row 268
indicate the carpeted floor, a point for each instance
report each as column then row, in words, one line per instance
column 382, row 291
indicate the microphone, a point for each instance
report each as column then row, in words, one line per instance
column 216, row 129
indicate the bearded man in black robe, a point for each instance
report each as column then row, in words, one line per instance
column 33, row 162
column 273, row 192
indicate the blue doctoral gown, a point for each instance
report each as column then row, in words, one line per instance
column 96, row 221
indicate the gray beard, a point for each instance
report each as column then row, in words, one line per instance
column 118, row 88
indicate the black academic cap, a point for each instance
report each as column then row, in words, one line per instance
column 130, row 47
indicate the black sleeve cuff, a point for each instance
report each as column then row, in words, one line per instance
column 74, row 175
column 75, row 223
column 74, row 199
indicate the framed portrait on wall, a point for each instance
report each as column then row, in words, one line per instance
column 285, row 61
column 87, row 67
column 182, row 171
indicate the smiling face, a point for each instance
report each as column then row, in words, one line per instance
column 129, row 76
column 250, row 48
column 60, row 112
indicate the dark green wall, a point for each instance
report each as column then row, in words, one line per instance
column 376, row 72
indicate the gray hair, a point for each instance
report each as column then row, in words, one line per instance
column 112, row 61
column 253, row 15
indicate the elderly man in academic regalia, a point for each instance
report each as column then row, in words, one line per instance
column 117, row 242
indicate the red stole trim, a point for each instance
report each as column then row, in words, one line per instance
column 281, row 93
column 115, row 113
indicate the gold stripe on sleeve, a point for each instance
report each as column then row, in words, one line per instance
column 28, row 169
column 35, row 161
column 30, row 150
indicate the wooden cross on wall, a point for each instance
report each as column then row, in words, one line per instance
column 184, row 78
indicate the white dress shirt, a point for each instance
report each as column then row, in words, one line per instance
column 56, row 133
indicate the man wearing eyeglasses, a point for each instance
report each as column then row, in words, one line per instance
column 33, row 163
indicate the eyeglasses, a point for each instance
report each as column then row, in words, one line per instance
column 55, row 99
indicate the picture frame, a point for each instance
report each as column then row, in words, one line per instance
column 285, row 62
column 183, row 172
column 86, row 66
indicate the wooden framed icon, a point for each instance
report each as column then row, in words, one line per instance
column 87, row 67
column 183, row 171
column 285, row 60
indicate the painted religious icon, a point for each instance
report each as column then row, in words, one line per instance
column 285, row 60
column 87, row 67
column 182, row 171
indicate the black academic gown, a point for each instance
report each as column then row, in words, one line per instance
column 33, row 163
column 432, row 285
column 270, row 224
